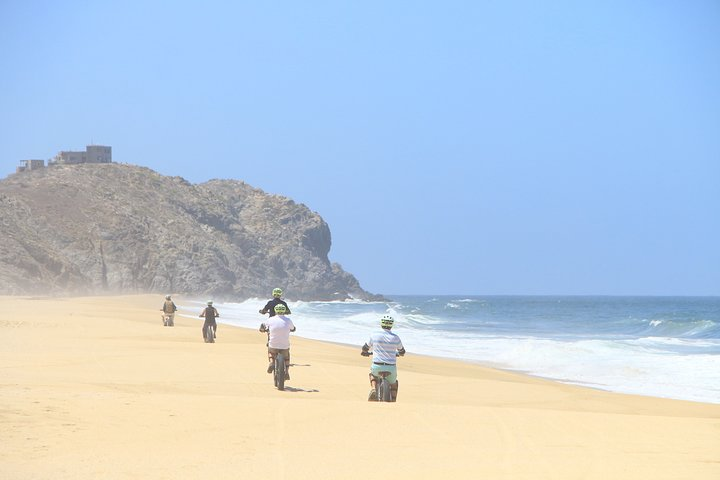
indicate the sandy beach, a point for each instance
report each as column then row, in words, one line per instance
column 97, row 388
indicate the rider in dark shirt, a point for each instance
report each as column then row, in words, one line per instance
column 210, row 314
column 270, row 306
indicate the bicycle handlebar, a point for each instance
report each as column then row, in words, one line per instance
column 369, row 354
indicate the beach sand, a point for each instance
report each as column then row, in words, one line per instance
column 97, row 388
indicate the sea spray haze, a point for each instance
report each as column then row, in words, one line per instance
column 658, row 346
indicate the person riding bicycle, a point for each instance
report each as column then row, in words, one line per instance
column 278, row 328
column 386, row 346
column 169, row 309
column 270, row 305
column 210, row 313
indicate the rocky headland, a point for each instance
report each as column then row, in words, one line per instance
column 117, row 228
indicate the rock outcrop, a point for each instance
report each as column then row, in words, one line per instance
column 117, row 228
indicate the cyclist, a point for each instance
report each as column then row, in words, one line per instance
column 270, row 306
column 386, row 346
column 278, row 328
column 210, row 313
column 169, row 310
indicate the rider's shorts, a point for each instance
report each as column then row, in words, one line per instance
column 284, row 351
column 375, row 369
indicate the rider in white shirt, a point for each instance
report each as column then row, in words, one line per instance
column 386, row 346
column 278, row 328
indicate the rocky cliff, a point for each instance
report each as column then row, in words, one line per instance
column 116, row 228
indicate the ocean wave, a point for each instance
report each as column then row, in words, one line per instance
column 691, row 329
column 466, row 304
column 350, row 301
column 420, row 321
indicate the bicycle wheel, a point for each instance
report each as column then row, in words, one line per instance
column 280, row 371
column 384, row 391
column 209, row 337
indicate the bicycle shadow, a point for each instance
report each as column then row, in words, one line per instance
column 297, row 389
column 301, row 390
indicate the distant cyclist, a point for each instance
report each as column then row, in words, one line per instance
column 210, row 313
column 169, row 309
column 276, row 300
column 278, row 328
column 386, row 346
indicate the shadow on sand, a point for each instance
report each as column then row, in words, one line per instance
column 295, row 389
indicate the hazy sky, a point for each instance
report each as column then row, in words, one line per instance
column 469, row 147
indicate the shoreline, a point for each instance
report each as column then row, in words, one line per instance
column 96, row 387
column 632, row 385
column 484, row 365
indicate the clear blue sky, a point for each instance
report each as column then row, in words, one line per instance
column 470, row 147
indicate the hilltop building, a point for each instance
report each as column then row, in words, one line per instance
column 30, row 165
column 92, row 154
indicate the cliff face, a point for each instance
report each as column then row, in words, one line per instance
column 115, row 228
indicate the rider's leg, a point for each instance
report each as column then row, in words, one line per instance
column 373, row 381
column 287, row 364
column 271, row 358
column 372, row 395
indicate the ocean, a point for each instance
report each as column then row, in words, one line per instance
column 657, row 346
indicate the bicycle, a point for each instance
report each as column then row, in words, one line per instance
column 209, row 334
column 279, row 356
column 382, row 385
column 279, row 371
column 383, row 389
